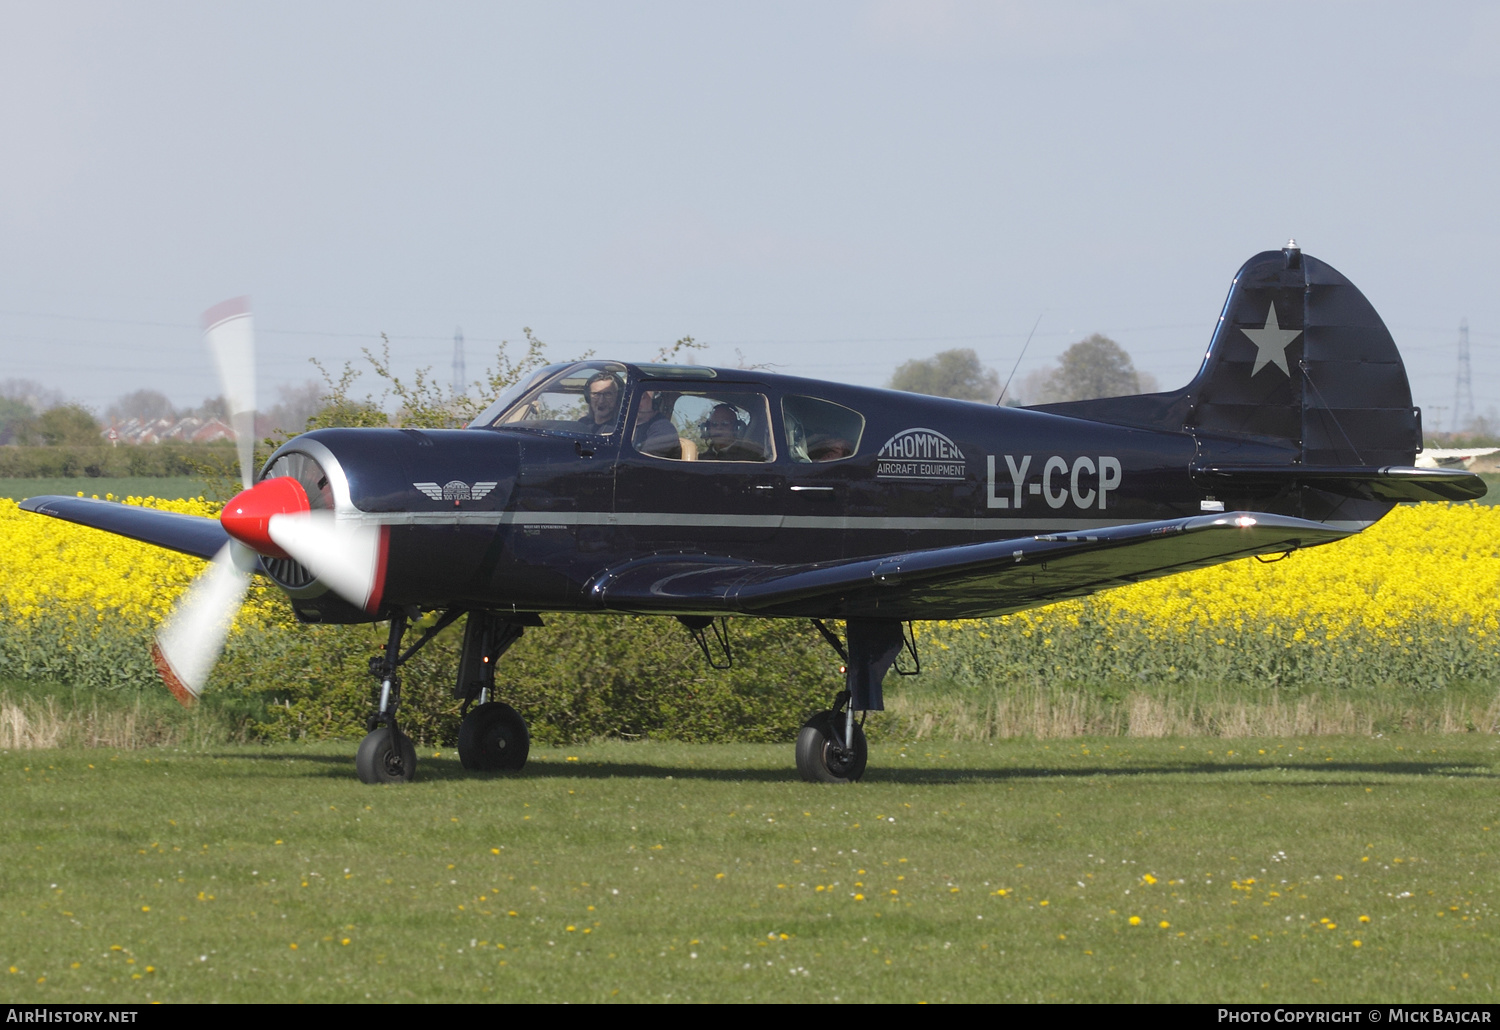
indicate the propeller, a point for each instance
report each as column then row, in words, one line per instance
column 272, row 517
column 191, row 637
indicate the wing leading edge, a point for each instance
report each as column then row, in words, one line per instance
column 190, row 534
column 967, row 581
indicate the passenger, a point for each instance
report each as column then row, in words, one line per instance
column 722, row 430
column 654, row 434
column 604, row 390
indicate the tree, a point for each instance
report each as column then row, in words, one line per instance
column 147, row 405
column 952, row 373
column 30, row 393
column 296, row 406
column 1095, row 367
column 67, row 425
column 17, row 421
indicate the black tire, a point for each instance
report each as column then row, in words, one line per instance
column 377, row 762
column 493, row 738
column 820, row 760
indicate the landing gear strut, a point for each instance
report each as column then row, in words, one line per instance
column 831, row 745
column 387, row 755
column 492, row 736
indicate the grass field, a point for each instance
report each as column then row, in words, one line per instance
column 168, row 487
column 1294, row 869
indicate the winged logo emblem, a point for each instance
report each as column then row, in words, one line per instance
column 456, row 490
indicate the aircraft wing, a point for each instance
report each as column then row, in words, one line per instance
column 965, row 581
column 190, row 534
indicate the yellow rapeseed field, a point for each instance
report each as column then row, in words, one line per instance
column 1425, row 572
column 78, row 605
column 1413, row 598
column 50, row 568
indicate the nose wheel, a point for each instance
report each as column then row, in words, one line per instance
column 493, row 737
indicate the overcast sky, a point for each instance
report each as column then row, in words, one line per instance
column 831, row 188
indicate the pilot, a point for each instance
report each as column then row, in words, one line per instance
column 604, row 390
column 722, row 430
column 653, row 433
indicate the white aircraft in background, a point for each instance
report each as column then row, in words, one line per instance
column 1450, row 457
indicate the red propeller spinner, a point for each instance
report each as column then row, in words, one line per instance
column 247, row 517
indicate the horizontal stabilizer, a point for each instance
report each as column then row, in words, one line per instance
column 961, row 582
column 190, row 534
column 1389, row 483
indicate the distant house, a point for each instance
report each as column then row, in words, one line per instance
column 212, row 431
column 188, row 430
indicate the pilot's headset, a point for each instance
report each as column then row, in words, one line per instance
column 740, row 423
column 797, row 434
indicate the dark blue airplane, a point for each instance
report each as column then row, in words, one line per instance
column 701, row 493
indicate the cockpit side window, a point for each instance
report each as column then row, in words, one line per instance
column 819, row 430
column 585, row 398
column 703, row 425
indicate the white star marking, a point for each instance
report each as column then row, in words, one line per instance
column 1271, row 342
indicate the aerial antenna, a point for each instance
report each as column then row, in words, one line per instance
column 460, row 381
column 1001, row 399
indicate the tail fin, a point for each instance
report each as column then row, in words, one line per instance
column 1299, row 361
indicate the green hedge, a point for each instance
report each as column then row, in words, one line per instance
column 163, row 459
column 577, row 678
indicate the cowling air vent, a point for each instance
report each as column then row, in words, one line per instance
column 287, row 573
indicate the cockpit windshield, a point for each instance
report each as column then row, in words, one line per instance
column 512, row 393
column 585, row 397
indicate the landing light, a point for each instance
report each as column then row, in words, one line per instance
column 1245, row 521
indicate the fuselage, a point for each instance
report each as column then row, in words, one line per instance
column 523, row 517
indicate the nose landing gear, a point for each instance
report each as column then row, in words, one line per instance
column 387, row 755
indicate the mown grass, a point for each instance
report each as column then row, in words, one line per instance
column 167, row 487
column 650, row 871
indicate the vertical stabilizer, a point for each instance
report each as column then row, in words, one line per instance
column 1299, row 361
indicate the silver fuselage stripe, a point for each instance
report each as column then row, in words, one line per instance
column 669, row 518
column 666, row 519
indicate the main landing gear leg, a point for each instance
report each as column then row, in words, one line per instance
column 831, row 745
column 387, row 755
column 493, row 735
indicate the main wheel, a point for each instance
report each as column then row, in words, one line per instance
column 377, row 761
column 819, row 757
column 493, row 737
